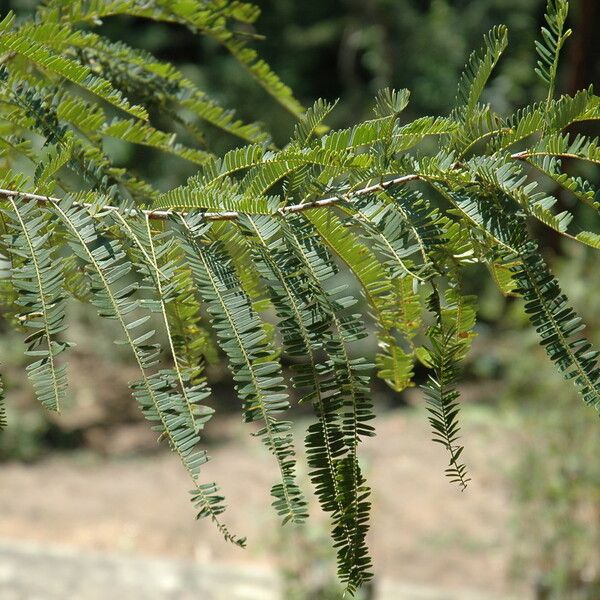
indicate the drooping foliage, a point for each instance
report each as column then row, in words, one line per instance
column 260, row 234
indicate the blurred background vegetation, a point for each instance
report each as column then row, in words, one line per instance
column 348, row 49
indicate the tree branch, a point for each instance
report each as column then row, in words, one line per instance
column 226, row 215
column 233, row 215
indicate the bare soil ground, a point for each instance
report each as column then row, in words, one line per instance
column 424, row 530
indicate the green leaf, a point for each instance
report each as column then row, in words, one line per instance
column 553, row 39
column 64, row 67
column 156, row 392
column 558, row 324
column 38, row 277
column 448, row 346
column 258, row 377
column 479, row 68
column 349, row 391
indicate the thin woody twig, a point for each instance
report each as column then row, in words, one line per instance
column 384, row 185
column 226, row 215
column 7, row 57
column 232, row 215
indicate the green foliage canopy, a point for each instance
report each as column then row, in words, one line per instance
column 259, row 234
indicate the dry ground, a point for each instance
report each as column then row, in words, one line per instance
column 424, row 530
